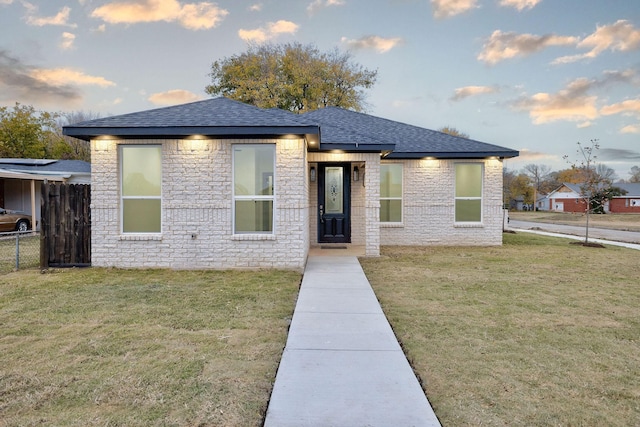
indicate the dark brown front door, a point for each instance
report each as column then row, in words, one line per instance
column 334, row 207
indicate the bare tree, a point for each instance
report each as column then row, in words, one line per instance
column 635, row 174
column 537, row 173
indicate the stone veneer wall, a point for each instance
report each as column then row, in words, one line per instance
column 428, row 206
column 197, row 225
column 365, row 199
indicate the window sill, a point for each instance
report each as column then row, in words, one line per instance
column 468, row 225
column 253, row 237
column 140, row 237
column 392, row 225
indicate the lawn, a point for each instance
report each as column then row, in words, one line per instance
column 537, row 332
column 625, row 222
column 107, row 347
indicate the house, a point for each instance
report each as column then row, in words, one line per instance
column 628, row 202
column 21, row 179
column 567, row 198
column 222, row 184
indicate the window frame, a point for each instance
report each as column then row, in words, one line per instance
column 254, row 197
column 456, row 198
column 401, row 198
column 121, row 150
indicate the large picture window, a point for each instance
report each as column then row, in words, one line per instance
column 141, row 188
column 253, row 187
column 468, row 198
column 391, row 192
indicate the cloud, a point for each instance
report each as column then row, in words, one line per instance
column 377, row 43
column 621, row 36
column 173, row 97
column 67, row 41
column 18, row 82
column 193, row 16
column 631, row 129
column 255, row 7
column 618, row 154
column 64, row 76
column 629, row 106
column 467, row 91
column 60, row 18
column 271, row 31
column 449, row 8
column 520, row 4
column 500, row 46
column 569, row 104
column 584, row 125
column 321, row 4
column 6, row 1
column 526, row 155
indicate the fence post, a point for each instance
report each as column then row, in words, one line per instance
column 17, row 251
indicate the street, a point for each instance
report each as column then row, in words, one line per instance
column 598, row 233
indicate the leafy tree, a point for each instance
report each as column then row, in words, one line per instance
column 453, row 131
column 572, row 176
column 292, row 77
column 25, row 132
column 635, row 174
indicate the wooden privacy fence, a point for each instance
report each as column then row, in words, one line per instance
column 65, row 225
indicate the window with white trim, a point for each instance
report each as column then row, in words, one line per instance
column 141, row 188
column 253, row 188
column 391, row 192
column 468, row 194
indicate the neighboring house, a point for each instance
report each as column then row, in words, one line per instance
column 567, row 198
column 542, row 204
column 21, row 179
column 222, row 184
column 629, row 202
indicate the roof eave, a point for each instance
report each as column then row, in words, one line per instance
column 356, row 147
column 88, row 133
column 453, row 155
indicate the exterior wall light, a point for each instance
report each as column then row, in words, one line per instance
column 356, row 174
column 312, row 174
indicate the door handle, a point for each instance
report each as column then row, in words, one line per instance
column 322, row 214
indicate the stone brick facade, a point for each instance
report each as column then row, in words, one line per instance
column 197, row 223
column 429, row 206
column 197, row 207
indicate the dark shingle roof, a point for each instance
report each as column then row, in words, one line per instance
column 217, row 116
column 338, row 129
column 409, row 141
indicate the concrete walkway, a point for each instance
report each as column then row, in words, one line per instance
column 342, row 365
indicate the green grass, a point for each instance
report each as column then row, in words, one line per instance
column 108, row 347
column 29, row 256
column 537, row 332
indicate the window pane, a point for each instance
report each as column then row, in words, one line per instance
column 469, row 180
column 254, row 216
column 141, row 170
column 390, row 210
column 333, row 195
column 468, row 210
column 391, row 180
column 141, row 215
column 253, row 170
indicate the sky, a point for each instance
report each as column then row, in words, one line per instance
column 537, row 76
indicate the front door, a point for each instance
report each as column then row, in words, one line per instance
column 334, row 197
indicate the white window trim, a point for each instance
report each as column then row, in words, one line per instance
column 128, row 235
column 260, row 235
column 481, row 198
column 401, row 198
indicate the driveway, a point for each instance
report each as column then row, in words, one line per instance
column 598, row 233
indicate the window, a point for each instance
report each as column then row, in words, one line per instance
column 253, row 182
column 468, row 199
column 141, row 180
column 391, row 192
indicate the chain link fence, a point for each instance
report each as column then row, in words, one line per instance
column 19, row 250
